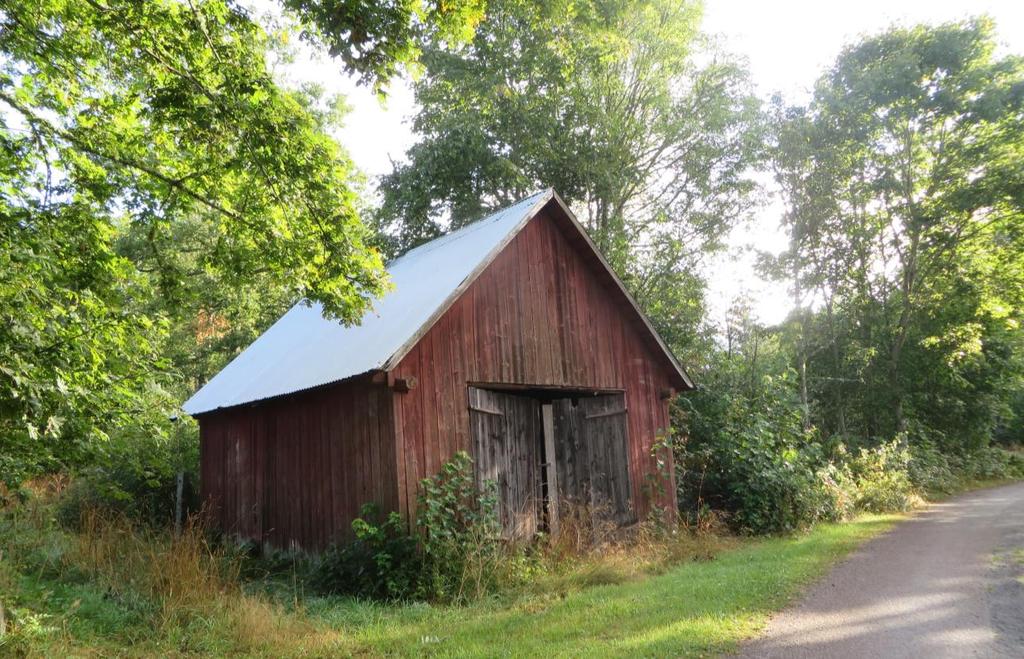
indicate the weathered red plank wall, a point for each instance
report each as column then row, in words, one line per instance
column 540, row 314
column 294, row 471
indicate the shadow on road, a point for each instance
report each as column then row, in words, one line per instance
column 944, row 584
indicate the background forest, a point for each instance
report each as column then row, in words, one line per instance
column 164, row 198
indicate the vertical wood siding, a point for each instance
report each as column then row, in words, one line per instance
column 543, row 313
column 294, row 471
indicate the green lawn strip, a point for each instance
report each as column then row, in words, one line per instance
column 695, row 609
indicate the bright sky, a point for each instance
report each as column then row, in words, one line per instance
column 787, row 44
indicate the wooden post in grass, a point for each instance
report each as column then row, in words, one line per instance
column 548, row 422
column 179, row 491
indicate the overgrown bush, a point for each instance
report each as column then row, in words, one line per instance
column 462, row 548
column 882, row 479
column 838, row 491
column 931, row 470
column 993, row 463
column 136, row 476
column 457, row 554
column 751, row 457
column 383, row 562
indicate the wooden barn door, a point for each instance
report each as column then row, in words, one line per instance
column 591, row 455
column 506, row 431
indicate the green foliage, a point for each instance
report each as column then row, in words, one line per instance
column 754, row 453
column 881, row 478
column 148, row 164
column 73, row 360
column 134, row 474
column 383, row 561
column 904, row 212
column 374, row 39
column 749, row 453
column 456, row 556
column 750, row 456
column 1009, row 429
column 992, row 463
column 931, row 470
column 904, row 217
column 462, row 547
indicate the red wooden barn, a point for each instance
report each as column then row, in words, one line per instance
column 511, row 339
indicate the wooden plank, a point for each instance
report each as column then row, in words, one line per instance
column 483, row 409
column 506, row 451
column 547, row 414
column 606, row 433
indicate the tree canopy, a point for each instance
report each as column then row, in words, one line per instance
column 903, row 177
column 375, row 39
column 154, row 174
column 647, row 132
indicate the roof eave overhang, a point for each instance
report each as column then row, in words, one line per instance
column 298, row 392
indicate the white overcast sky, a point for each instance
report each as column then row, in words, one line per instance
column 787, row 44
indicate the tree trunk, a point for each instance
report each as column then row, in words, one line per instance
column 833, row 340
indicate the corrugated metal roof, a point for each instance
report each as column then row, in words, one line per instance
column 304, row 350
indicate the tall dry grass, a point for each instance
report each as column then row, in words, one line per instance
column 191, row 581
column 188, row 589
column 591, row 550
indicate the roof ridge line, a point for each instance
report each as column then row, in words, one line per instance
column 465, row 229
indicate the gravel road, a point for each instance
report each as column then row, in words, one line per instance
column 947, row 583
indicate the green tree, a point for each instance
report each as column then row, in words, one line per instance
column 905, row 212
column 137, row 138
column 375, row 39
column 605, row 102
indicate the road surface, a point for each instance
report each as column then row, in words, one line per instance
column 947, row 583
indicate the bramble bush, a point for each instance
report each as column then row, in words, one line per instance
column 881, row 478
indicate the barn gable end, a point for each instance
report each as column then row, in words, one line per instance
column 544, row 313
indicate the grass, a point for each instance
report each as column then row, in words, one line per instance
column 695, row 609
column 108, row 591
